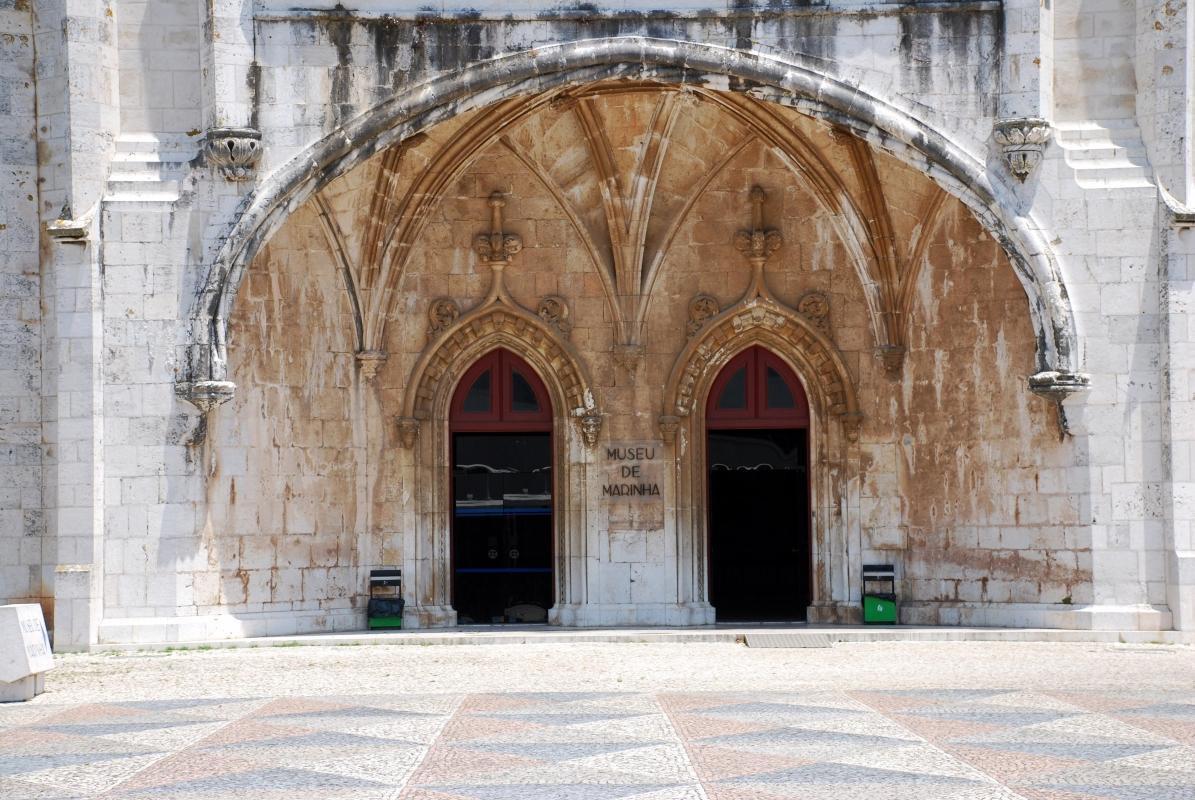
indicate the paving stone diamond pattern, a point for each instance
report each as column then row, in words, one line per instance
column 947, row 745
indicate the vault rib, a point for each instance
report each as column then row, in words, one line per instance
column 336, row 243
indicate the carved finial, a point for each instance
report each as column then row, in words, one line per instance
column 759, row 242
column 497, row 246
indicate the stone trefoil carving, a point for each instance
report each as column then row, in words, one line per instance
column 1021, row 142
column 235, row 151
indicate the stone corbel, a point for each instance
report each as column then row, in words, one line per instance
column 852, row 424
column 669, row 425
column 206, row 395
column 591, row 427
column 1022, row 142
column 408, row 431
column 893, row 356
column 1056, row 387
column 235, row 151
column 628, row 356
column 371, row 361
column 68, row 229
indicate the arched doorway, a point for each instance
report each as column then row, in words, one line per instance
column 757, row 422
column 500, row 426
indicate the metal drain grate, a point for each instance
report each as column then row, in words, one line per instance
column 801, row 639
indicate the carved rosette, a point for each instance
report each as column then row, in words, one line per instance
column 371, row 361
column 702, row 308
column 442, row 312
column 408, row 431
column 1021, row 142
column 234, row 151
column 815, row 307
column 553, row 310
column 669, row 425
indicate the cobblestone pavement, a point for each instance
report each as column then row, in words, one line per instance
column 1069, row 742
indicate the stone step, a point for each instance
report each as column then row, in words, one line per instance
column 125, row 185
column 143, row 200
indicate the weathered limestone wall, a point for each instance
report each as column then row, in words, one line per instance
column 963, row 481
column 26, row 555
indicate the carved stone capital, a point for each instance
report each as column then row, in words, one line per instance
column 1021, row 142
column 408, row 431
column 669, row 425
column 235, row 151
column 206, row 395
column 371, row 361
column 591, row 427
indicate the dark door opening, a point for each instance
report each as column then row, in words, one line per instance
column 759, row 524
column 502, row 521
column 502, row 527
column 758, row 491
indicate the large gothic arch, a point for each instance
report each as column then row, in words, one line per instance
column 816, row 93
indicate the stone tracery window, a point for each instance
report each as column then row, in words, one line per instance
column 757, row 390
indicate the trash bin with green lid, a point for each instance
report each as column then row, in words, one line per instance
column 385, row 599
column 879, row 594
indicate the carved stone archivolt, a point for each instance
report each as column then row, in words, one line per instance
column 456, row 339
column 759, row 318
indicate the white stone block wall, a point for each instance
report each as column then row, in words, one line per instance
column 26, row 553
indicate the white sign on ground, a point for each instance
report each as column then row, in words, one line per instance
column 24, row 651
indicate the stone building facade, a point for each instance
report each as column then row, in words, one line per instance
column 252, row 252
